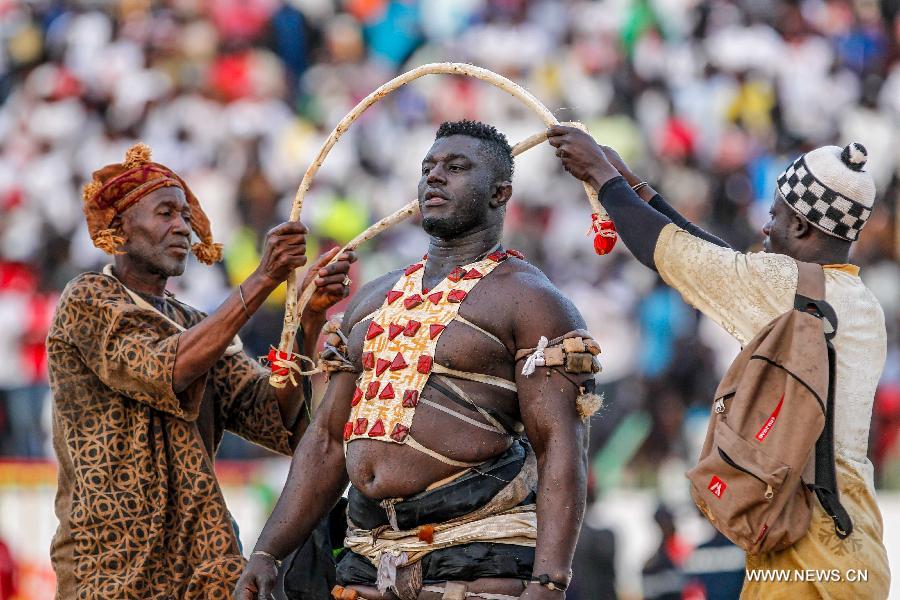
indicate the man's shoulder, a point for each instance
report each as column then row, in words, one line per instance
column 536, row 306
column 529, row 282
column 91, row 286
column 370, row 296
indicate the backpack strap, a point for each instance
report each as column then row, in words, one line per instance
column 810, row 298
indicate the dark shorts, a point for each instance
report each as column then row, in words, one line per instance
column 456, row 499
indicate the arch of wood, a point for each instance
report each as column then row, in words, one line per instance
column 294, row 306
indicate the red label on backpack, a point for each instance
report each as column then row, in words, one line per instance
column 770, row 422
column 717, row 486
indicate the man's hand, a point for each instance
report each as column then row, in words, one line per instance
column 330, row 288
column 581, row 155
column 258, row 579
column 285, row 250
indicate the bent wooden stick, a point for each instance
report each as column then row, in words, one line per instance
column 293, row 304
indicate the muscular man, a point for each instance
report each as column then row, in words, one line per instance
column 448, row 498
column 144, row 385
column 821, row 203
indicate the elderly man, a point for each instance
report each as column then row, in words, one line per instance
column 452, row 367
column 144, row 386
column 821, row 203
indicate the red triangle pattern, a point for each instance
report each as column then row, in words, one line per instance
column 412, row 269
column 348, row 431
column 435, row 330
column 361, row 425
column 424, row 364
column 456, row 274
column 410, row 302
column 456, row 296
column 435, row 297
column 372, row 390
column 398, row 363
column 387, row 393
column 473, row 274
column 374, row 330
column 381, row 366
column 377, row 429
column 357, row 396
column 394, row 330
column 393, row 295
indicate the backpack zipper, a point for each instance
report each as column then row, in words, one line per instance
column 770, row 493
column 719, row 404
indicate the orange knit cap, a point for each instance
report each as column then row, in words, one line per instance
column 114, row 188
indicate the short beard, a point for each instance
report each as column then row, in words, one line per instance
column 445, row 229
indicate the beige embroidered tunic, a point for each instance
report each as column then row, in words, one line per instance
column 744, row 292
column 141, row 513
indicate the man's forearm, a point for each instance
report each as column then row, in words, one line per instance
column 638, row 224
column 203, row 344
column 317, row 476
column 562, row 488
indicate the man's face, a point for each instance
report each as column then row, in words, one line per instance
column 777, row 230
column 456, row 187
column 158, row 232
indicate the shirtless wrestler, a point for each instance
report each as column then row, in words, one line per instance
column 467, row 475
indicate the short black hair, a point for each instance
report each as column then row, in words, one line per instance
column 495, row 142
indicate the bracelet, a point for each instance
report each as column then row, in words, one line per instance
column 243, row 303
column 267, row 555
column 638, row 186
column 548, row 583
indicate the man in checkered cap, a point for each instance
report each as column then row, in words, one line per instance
column 821, row 203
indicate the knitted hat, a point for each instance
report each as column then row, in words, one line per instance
column 114, row 188
column 830, row 187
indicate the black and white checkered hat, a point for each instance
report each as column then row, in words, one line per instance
column 830, row 187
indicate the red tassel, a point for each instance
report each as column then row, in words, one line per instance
column 605, row 235
column 274, row 355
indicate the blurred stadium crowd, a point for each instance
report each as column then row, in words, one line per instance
column 708, row 99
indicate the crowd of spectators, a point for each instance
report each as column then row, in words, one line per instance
column 708, row 99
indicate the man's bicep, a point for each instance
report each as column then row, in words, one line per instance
column 547, row 398
column 741, row 292
column 334, row 411
column 548, row 405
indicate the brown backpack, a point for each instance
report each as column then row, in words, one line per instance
column 771, row 423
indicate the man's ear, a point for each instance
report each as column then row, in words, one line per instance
column 501, row 194
column 116, row 223
column 800, row 226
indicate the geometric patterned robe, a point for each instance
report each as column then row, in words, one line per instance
column 141, row 513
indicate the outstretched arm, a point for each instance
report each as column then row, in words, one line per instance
column 655, row 199
column 638, row 224
column 315, row 481
column 547, row 401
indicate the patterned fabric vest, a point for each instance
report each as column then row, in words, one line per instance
column 400, row 345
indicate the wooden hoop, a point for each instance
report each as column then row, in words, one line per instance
column 294, row 306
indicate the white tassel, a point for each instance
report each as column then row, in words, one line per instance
column 536, row 359
column 387, row 570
